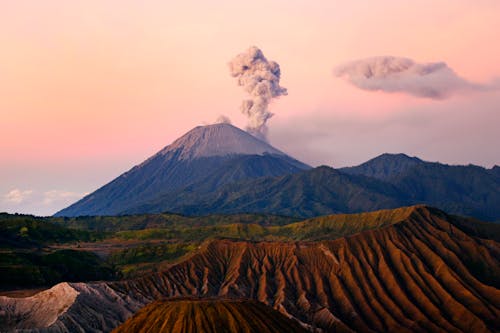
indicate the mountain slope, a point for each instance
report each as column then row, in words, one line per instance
column 462, row 189
column 209, row 316
column 200, row 152
column 421, row 270
column 319, row 191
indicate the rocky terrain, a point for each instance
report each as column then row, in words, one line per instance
column 209, row 316
column 421, row 270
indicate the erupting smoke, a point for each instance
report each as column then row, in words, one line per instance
column 222, row 119
column 394, row 74
column 260, row 78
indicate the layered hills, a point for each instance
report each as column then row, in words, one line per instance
column 461, row 189
column 413, row 269
column 209, row 316
column 464, row 190
column 220, row 169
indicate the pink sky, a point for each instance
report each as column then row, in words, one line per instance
column 90, row 88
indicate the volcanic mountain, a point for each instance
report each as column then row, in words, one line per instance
column 211, row 155
column 197, row 315
column 220, row 169
column 412, row 269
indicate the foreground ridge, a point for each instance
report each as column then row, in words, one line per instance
column 420, row 271
column 193, row 315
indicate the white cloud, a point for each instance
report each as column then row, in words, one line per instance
column 17, row 196
column 56, row 196
column 38, row 202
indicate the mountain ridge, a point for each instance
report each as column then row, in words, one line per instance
column 222, row 169
column 197, row 315
column 419, row 269
column 384, row 165
column 463, row 190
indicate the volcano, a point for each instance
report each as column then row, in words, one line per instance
column 207, row 156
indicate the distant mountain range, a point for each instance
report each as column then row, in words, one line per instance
column 222, row 169
column 461, row 189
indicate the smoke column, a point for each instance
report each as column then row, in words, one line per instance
column 260, row 78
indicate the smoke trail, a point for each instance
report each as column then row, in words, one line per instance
column 395, row 74
column 260, row 78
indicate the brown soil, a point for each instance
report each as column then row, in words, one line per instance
column 423, row 274
column 209, row 316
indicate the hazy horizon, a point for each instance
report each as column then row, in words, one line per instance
column 90, row 89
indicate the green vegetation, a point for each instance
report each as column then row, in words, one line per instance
column 29, row 269
column 29, row 231
column 148, row 257
column 36, row 251
column 41, row 251
column 165, row 220
column 325, row 227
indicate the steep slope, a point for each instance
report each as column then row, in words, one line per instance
column 421, row 270
column 422, row 273
column 190, row 159
column 40, row 310
column 209, row 316
column 217, row 140
column 319, row 191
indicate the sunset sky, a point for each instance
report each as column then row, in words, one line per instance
column 89, row 89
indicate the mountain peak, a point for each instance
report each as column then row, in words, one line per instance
column 385, row 166
column 218, row 140
column 396, row 157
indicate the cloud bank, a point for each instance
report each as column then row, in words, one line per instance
column 260, row 78
column 16, row 196
column 396, row 74
column 43, row 202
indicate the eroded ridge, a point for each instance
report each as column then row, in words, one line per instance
column 422, row 273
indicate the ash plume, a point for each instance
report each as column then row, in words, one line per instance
column 260, row 78
column 433, row 80
column 223, row 119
